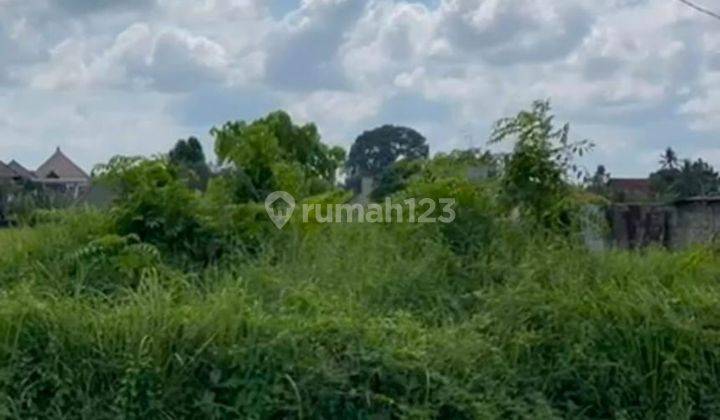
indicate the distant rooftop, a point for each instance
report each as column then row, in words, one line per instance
column 59, row 166
column 20, row 170
column 6, row 172
column 56, row 169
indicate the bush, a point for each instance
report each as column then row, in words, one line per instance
column 154, row 204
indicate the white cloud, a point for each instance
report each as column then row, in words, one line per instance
column 335, row 111
column 643, row 74
column 164, row 59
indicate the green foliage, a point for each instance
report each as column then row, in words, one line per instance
column 532, row 331
column 154, row 204
column 691, row 179
column 535, row 178
column 396, row 178
column 485, row 317
column 266, row 149
column 111, row 262
column 473, row 165
column 376, row 150
column 189, row 157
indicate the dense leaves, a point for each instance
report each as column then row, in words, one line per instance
column 535, row 178
column 273, row 153
column 376, row 150
column 689, row 179
column 155, row 204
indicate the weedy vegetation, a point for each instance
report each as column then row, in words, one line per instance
column 180, row 302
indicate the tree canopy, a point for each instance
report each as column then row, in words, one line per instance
column 274, row 153
column 376, row 150
column 689, row 179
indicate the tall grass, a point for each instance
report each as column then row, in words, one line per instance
column 351, row 321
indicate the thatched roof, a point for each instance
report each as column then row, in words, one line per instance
column 60, row 167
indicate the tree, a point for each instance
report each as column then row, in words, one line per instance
column 376, row 150
column 696, row 179
column 669, row 160
column 690, row 179
column 396, row 178
column 273, row 153
column 189, row 157
column 535, row 178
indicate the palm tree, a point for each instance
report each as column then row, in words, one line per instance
column 669, row 159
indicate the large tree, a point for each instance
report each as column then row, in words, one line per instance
column 376, row 150
column 274, row 153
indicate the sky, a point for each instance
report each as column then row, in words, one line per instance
column 103, row 77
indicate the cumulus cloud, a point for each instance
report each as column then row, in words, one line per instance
column 165, row 59
column 511, row 31
column 636, row 73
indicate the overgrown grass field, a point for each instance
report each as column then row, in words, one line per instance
column 354, row 321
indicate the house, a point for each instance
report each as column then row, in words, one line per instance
column 57, row 174
column 62, row 175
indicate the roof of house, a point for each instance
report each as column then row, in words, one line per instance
column 60, row 166
column 20, row 170
column 6, row 172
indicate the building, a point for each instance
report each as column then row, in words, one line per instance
column 57, row 174
column 60, row 174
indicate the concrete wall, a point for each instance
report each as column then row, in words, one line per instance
column 674, row 226
column 638, row 226
column 694, row 222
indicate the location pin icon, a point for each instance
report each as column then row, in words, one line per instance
column 280, row 207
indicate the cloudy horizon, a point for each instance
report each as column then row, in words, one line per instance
column 100, row 78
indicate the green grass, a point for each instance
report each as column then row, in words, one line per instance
column 357, row 322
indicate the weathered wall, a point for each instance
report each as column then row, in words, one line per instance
column 674, row 226
column 694, row 222
column 638, row 226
